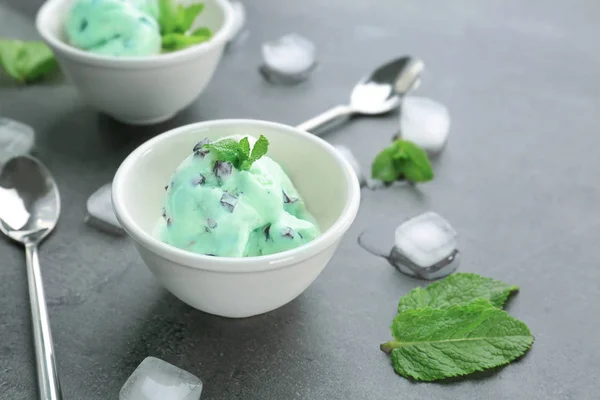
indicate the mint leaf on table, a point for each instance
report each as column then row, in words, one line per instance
column 457, row 289
column 26, row 61
column 402, row 160
column 432, row 343
column 238, row 153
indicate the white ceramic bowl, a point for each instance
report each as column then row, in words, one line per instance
column 237, row 287
column 139, row 90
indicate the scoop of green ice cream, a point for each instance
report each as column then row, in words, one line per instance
column 150, row 7
column 112, row 27
column 213, row 208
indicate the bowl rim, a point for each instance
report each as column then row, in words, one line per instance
column 236, row 264
column 45, row 14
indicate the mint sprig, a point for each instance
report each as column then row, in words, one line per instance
column 26, row 61
column 455, row 327
column 175, row 23
column 402, row 160
column 238, row 153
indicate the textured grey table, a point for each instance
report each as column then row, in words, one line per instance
column 519, row 181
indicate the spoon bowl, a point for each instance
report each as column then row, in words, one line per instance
column 30, row 200
column 377, row 93
column 30, row 206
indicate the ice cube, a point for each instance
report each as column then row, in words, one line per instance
column 426, row 246
column 16, row 139
column 100, row 212
column 347, row 154
column 425, row 122
column 289, row 59
column 155, row 379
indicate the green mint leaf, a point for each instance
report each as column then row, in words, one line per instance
column 457, row 289
column 225, row 150
column 402, row 159
column 383, row 166
column 178, row 41
column 189, row 15
column 168, row 17
column 433, row 343
column 204, row 33
column 244, row 149
column 260, row 149
column 26, row 61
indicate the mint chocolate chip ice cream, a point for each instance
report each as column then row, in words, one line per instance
column 213, row 208
column 114, row 27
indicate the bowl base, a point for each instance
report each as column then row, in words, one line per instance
column 148, row 121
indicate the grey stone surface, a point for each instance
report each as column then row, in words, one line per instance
column 518, row 181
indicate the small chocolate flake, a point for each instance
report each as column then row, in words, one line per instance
column 169, row 221
column 199, row 180
column 288, row 232
column 164, row 212
column 267, row 232
column 167, row 187
column 228, row 201
column 287, row 199
column 210, row 254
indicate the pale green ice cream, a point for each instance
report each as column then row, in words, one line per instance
column 113, row 27
column 212, row 208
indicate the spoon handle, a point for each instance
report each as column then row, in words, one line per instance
column 327, row 116
column 49, row 386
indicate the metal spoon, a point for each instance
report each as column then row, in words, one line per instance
column 29, row 209
column 377, row 93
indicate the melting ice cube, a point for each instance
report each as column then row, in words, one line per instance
column 16, row 139
column 425, row 122
column 155, row 379
column 347, row 154
column 289, row 59
column 426, row 247
column 100, row 212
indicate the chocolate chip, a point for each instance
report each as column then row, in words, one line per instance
column 199, row 180
column 169, row 221
column 211, row 223
column 167, row 187
column 164, row 212
column 267, row 232
column 228, row 201
column 288, row 232
column 198, row 148
column 83, row 25
column 287, row 199
column 222, row 169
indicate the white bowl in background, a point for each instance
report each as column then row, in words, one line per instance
column 139, row 90
column 227, row 286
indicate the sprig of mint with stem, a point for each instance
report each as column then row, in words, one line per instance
column 176, row 21
column 402, row 160
column 455, row 327
column 238, row 153
column 26, row 61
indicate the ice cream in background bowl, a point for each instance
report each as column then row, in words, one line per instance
column 120, row 76
column 241, row 284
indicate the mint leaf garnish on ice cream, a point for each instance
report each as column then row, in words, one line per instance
column 229, row 199
column 455, row 327
column 402, row 160
column 238, row 153
column 176, row 21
